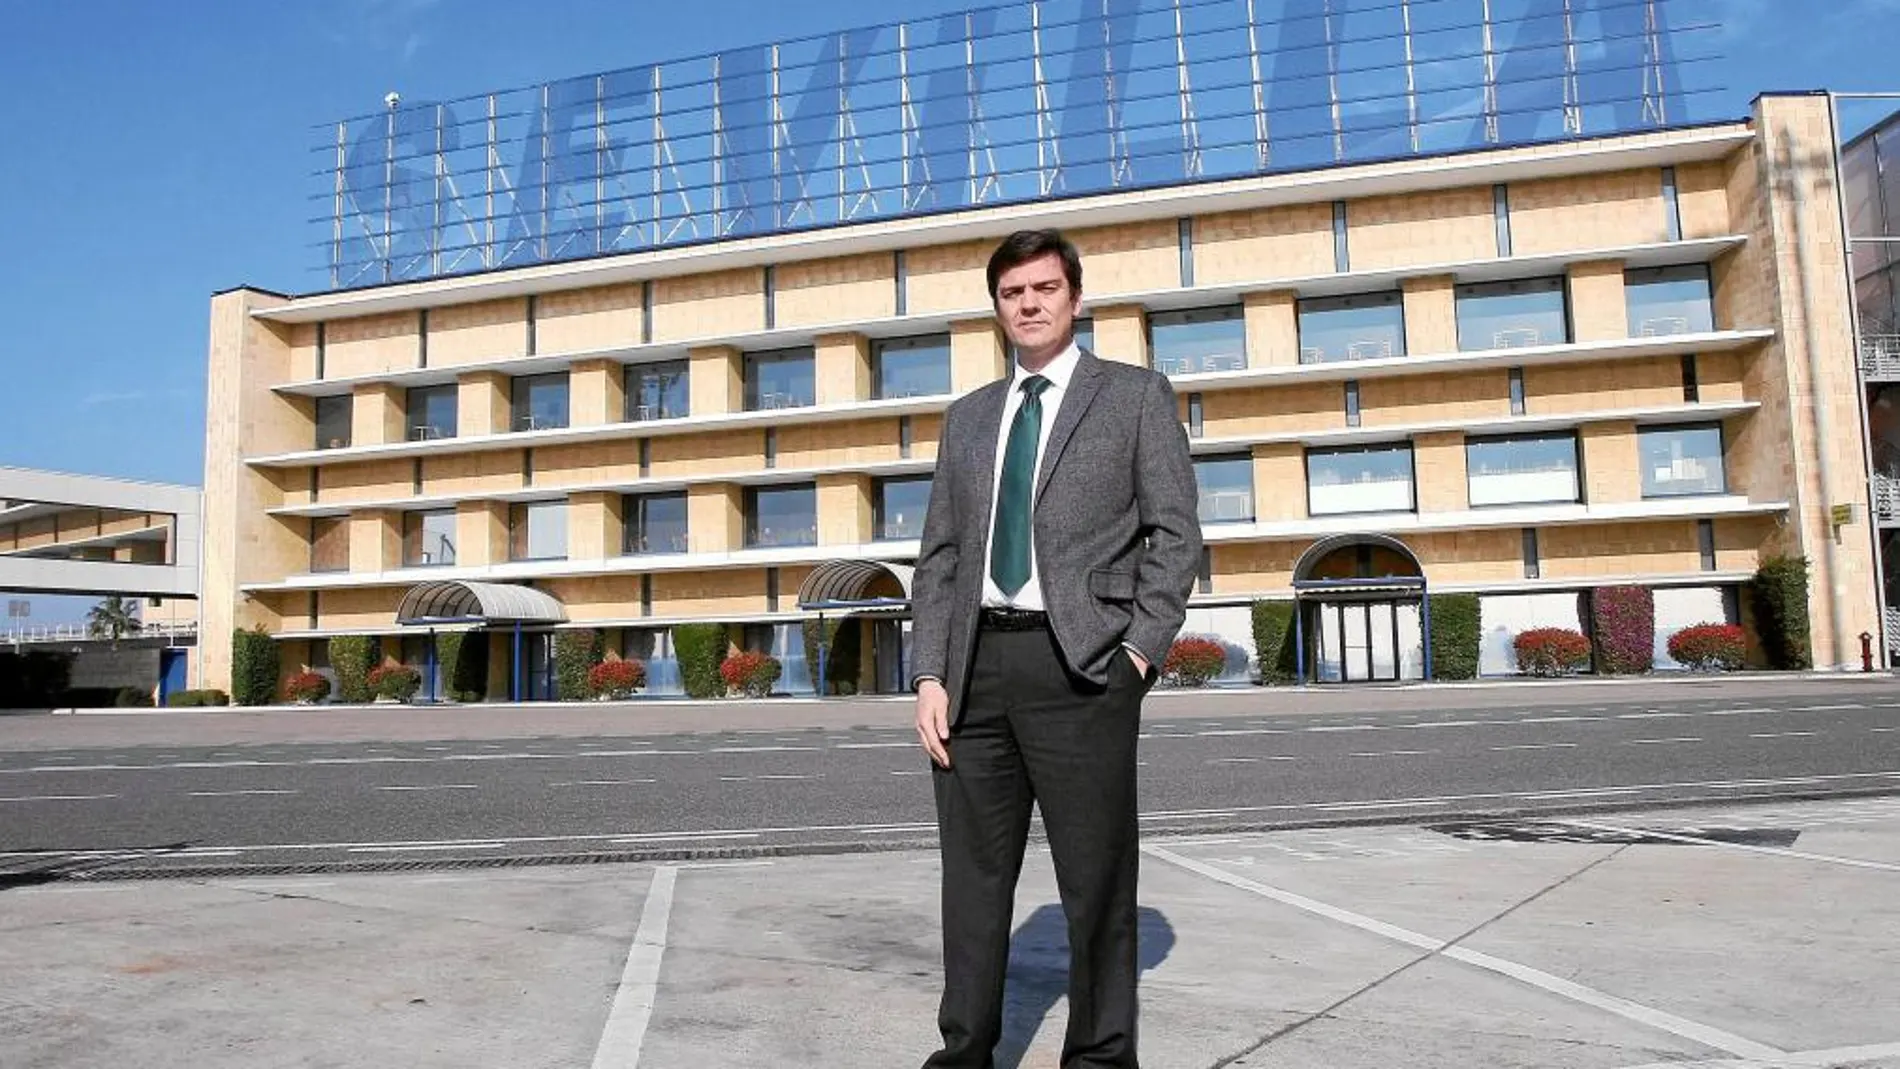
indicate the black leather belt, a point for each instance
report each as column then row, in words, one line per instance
column 1013, row 620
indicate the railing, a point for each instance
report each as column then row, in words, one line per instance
column 1880, row 356
column 171, row 631
column 1886, row 497
column 1893, row 633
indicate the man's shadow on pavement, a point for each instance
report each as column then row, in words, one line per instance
column 1039, row 972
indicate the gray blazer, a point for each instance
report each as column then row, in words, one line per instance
column 1117, row 531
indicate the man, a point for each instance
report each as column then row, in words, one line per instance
column 1058, row 551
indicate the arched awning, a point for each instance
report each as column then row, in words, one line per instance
column 856, row 585
column 450, row 601
column 1304, row 578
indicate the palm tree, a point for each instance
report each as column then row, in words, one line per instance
column 112, row 618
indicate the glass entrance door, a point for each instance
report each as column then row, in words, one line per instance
column 1366, row 642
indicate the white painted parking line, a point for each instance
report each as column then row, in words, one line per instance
column 1662, row 742
column 432, row 787
column 1395, row 753
column 1537, row 746
column 1345, row 807
column 232, row 794
column 1777, row 851
column 1782, row 735
column 408, row 847
column 59, row 798
column 1823, row 708
column 601, row 782
column 1707, row 1035
column 876, row 745
column 764, row 749
column 632, row 1008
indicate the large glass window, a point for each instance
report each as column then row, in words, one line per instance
column 911, row 367
column 428, row 537
column 1521, row 470
column 1226, row 488
column 781, row 515
column 1372, row 478
column 330, row 544
column 900, row 506
column 1201, row 339
column 333, row 422
column 1085, row 333
column 1365, row 326
column 430, row 412
column 658, row 391
column 781, row 378
column 1669, row 300
column 538, row 402
column 1681, row 460
column 656, row 523
column 537, row 530
column 1509, row 315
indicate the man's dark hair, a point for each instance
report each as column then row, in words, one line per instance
column 1026, row 245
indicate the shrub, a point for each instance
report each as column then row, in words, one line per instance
column 254, row 667
column 1193, row 660
column 464, row 665
column 1551, row 651
column 1779, row 596
column 616, row 679
column 700, row 648
column 1455, row 636
column 132, row 698
column 351, row 657
column 1623, row 629
column 575, row 654
column 306, row 687
column 1273, row 640
column 1708, row 647
column 398, row 681
column 842, row 645
column 185, row 699
column 751, row 674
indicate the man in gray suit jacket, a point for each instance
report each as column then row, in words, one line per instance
column 1058, row 551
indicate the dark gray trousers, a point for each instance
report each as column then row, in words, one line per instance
column 1032, row 733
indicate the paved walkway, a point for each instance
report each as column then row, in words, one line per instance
column 1737, row 937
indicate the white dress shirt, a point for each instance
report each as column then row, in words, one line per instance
column 1058, row 372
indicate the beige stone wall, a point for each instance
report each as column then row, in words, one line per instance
column 845, row 511
column 813, row 445
column 482, row 404
column 1589, row 211
column 1421, row 228
column 481, row 533
column 949, row 278
column 1272, row 410
column 376, row 414
column 1131, row 258
column 699, row 306
column 1431, row 315
column 375, row 480
column 1279, row 482
column 681, row 456
column 1554, row 388
column 841, row 366
column 1121, row 333
column 1425, row 398
column 1702, row 199
column 838, row 290
column 584, row 320
column 1273, row 328
column 596, row 393
column 715, row 518
column 1597, row 303
column 716, row 380
column 587, row 463
column 368, row 345
column 474, row 333
column 1295, row 241
column 1610, row 468
column 978, row 354
column 713, row 594
column 1438, row 469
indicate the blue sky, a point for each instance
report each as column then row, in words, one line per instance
column 155, row 153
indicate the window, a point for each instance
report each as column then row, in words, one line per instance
column 1365, row 326
column 1691, row 385
column 1196, row 415
column 1202, row 339
column 1352, row 402
column 537, row 530
column 428, row 538
column 771, row 590
column 1669, row 300
column 1516, row 378
column 901, row 504
column 429, row 412
column 1226, row 488
column 900, row 283
column 1501, row 217
column 330, row 544
column 781, row 378
column 910, row 367
column 768, row 286
column 904, row 437
column 1681, row 460
column 1705, row 542
column 771, row 447
column 333, row 422
column 1522, row 470
column 539, row 402
column 1672, row 206
column 1506, row 315
column 1533, row 567
column 1372, row 478
column 781, row 515
column 1204, row 582
column 1184, row 239
column 656, row 523
column 657, row 391
column 1342, row 258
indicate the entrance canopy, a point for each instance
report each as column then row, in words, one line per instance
column 454, row 602
column 856, row 585
column 1364, row 563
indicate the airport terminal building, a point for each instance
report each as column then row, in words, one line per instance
column 1450, row 307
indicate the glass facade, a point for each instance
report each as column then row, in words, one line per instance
column 333, row 422
column 1669, row 300
column 900, row 506
column 782, row 378
column 910, row 367
column 430, row 412
column 537, row 530
column 657, row 391
column 1366, row 326
column 1522, row 470
column 1511, row 315
column 1371, row 478
column 1681, row 460
column 656, row 523
column 781, row 515
column 1201, row 339
column 1225, row 486
column 539, row 402
column 428, row 538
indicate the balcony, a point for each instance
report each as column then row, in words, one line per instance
column 1885, row 493
column 1880, row 357
column 1892, row 628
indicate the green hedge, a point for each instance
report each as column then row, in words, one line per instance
column 1454, row 636
column 575, row 654
column 1273, row 640
column 464, row 665
column 185, row 699
column 1779, row 596
column 254, row 667
column 351, row 658
column 843, row 655
column 700, row 649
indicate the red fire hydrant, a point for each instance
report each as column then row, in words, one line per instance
column 1866, row 652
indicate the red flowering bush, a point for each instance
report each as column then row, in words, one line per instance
column 1551, row 651
column 398, row 681
column 1708, row 647
column 1193, row 660
column 306, row 687
column 616, row 679
column 750, row 674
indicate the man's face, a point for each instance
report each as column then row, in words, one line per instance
column 1036, row 306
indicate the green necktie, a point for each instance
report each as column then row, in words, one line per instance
column 1009, row 538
